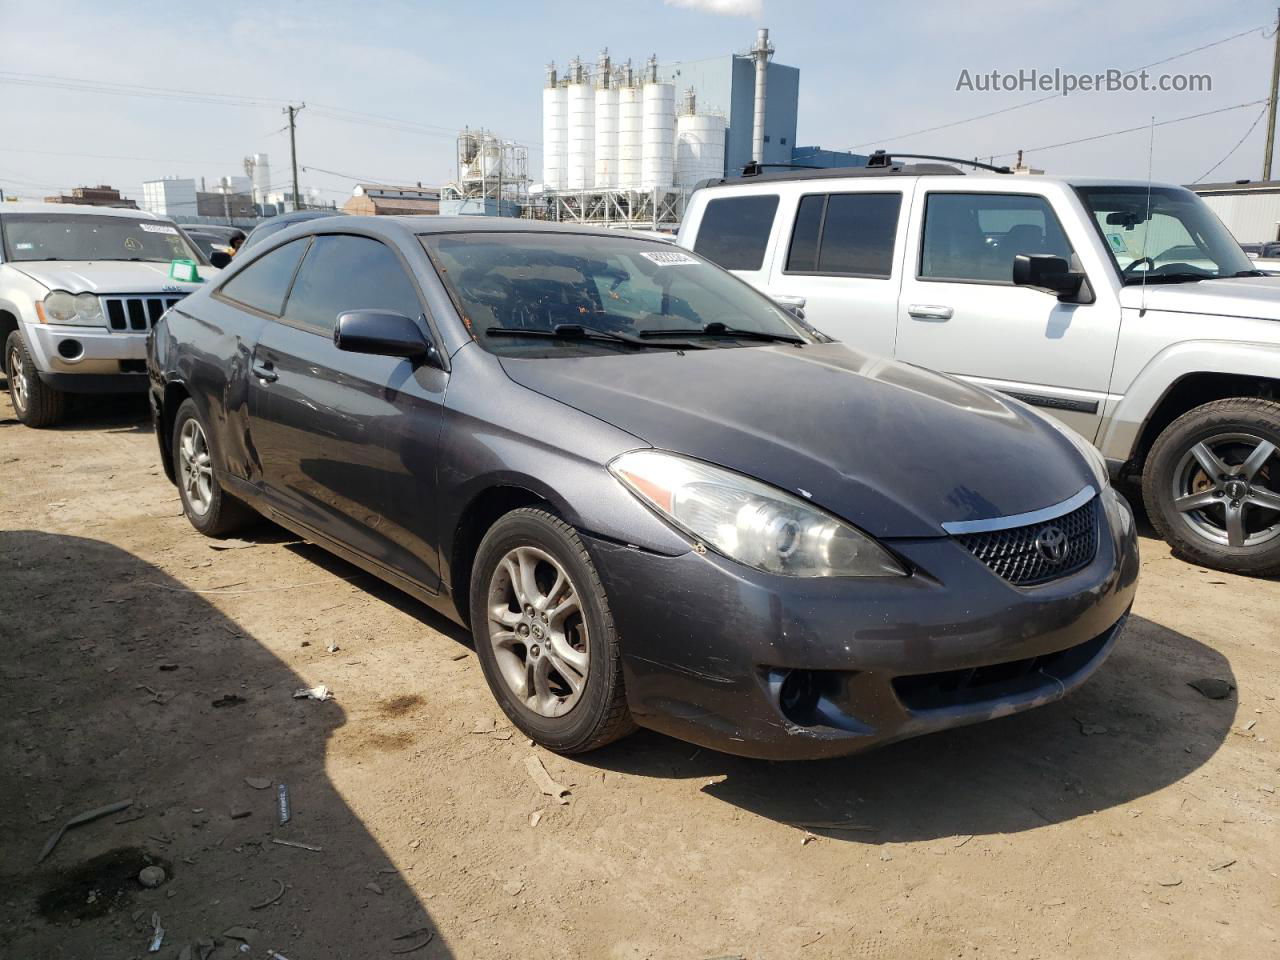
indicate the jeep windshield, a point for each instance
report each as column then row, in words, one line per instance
column 557, row 294
column 1163, row 235
column 57, row 236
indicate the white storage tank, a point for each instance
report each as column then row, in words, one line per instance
column 699, row 146
column 630, row 136
column 582, row 126
column 555, row 132
column 657, row 165
column 606, row 170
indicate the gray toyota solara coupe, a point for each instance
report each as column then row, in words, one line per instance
column 653, row 496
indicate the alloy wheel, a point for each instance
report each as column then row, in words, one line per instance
column 17, row 374
column 1227, row 489
column 195, row 469
column 537, row 630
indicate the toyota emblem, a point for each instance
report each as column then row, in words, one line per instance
column 1052, row 544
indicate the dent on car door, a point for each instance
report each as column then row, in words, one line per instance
column 349, row 439
column 960, row 313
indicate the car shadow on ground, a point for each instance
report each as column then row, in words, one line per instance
column 1133, row 729
column 109, row 413
column 122, row 685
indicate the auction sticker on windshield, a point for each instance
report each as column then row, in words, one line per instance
column 159, row 228
column 671, row 259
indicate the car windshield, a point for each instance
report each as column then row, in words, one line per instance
column 1163, row 234
column 547, row 294
column 55, row 236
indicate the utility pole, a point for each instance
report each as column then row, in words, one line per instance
column 1271, row 104
column 293, row 112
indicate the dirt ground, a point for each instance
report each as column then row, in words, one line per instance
column 1137, row 819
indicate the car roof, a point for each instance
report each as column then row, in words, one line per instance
column 899, row 170
column 78, row 209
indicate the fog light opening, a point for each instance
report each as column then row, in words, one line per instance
column 799, row 695
column 70, row 349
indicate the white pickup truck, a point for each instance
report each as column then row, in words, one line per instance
column 1125, row 309
column 80, row 288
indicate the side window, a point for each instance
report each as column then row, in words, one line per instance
column 264, row 283
column 848, row 234
column 344, row 273
column 735, row 231
column 975, row 236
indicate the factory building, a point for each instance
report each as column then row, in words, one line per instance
column 628, row 144
column 1250, row 210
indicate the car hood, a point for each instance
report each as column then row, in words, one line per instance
column 107, row 276
column 1253, row 297
column 893, row 448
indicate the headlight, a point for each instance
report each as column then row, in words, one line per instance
column 751, row 522
column 83, row 310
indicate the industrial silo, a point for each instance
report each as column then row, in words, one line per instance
column 699, row 144
column 582, row 126
column 606, row 165
column 657, row 164
column 555, row 132
column 630, row 131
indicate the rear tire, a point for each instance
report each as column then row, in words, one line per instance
column 534, row 653
column 35, row 402
column 208, row 507
column 1211, row 485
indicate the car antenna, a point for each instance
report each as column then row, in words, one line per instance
column 1146, row 226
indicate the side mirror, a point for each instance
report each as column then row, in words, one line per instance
column 1044, row 271
column 219, row 259
column 381, row 333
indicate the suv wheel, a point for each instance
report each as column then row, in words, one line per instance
column 35, row 402
column 544, row 634
column 1212, row 485
column 211, row 510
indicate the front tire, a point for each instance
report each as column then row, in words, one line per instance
column 35, row 402
column 545, row 636
column 1212, row 485
column 208, row 507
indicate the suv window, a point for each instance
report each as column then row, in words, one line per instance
column 735, row 231
column 975, row 236
column 264, row 283
column 847, row 234
column 344, row 273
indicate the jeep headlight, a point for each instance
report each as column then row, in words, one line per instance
column 74, row 309
column 749, row 521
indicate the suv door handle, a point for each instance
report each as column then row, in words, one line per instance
column 784, row 300
column 265, row 370
column 929, row 311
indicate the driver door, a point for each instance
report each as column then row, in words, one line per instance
column 960, row 313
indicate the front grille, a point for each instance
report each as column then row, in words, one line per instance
column 136, row 314
column 1017, row 555
column 960, row 688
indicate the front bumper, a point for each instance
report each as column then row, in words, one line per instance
column 63, row 354
column 708, row 645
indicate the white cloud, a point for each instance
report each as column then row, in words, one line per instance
column 725, row 8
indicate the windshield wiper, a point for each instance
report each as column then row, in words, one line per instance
column 575, row 331
column 1172, row 278
column 718, row 329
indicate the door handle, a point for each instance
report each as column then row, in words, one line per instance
column 265, row 370
column 784, row 300
column 929, row 311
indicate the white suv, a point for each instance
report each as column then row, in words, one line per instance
column 80, row 288
column 1124, row 309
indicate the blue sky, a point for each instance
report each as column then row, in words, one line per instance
column 870, row 74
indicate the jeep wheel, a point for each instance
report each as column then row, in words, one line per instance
column 36, row 403
column 208, row 507
column 1212, row 485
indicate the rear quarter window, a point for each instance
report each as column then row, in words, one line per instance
column 735, row 231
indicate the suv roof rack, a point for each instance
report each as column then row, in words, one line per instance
column 883, row 158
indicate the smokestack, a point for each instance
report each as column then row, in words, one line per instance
column 761, row 52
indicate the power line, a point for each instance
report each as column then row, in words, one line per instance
column 1116, row 133
column 1256, row 120
column 1053, row 96
column 352, row 176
